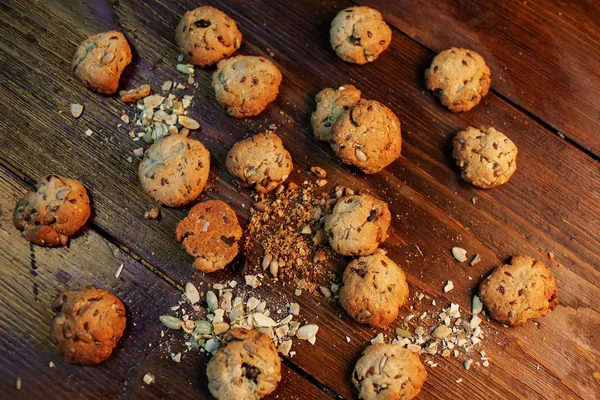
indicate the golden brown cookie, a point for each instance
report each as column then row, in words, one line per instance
column 367, row 136
column 89, row 324
column 245, row 85
column 100, row 60
column 518, row 291
column 206, row 35
column 331, row 104
column 210, row 233
column 57, row 209
column 459, row 77
column 246, row 366
column 174, row 170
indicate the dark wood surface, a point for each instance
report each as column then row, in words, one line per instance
column 551, row 205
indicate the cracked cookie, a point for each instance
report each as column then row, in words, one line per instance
column 245, row 85
column 206, row 35
column 374, row 287
column 100, row 60
column 459, row 77
column 367, row 136
column 88, row 325
column 331, row 104
column 359, row 34
column 260, row 161
column 210, row 232
column 388, row 371
column 174, row 170
column 518, row 291
column 57, row 209
column 246, row 366
column 486, row 157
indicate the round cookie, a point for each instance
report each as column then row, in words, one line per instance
column 388, row 372
column 206, row 35
column 359, row 34
column 331, row 104
column 459, row 77
column 260, row 161
column 518, row 291
column 486, row 157
column 246, row 366
column 357, row 225
column 89, row 324
column 245, row 85
column 210, row 233
column 57, row 209
column 100, row 60
column 374, row 287
column 367, row 136
column 174, row 170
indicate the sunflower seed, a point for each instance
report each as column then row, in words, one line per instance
column 148, row 379
column 203, row 327
column 192, row 293
column 108, row 57
column 188, row 122
column 360, row 156
column 170, row 322
column 211, row 301
column 262, row 320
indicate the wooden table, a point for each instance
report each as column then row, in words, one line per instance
column 545, row 62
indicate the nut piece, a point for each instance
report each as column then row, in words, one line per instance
column 131, row 95
column 459, row 253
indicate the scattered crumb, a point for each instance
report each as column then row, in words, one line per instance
column 148, row 379
column 76, row 110
column 89, row 132
column 152, row 213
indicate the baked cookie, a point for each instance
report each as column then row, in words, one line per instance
column 518, row 291
column 331, row 104
column 245, row 85
column 89, row 324
column 174, row 170
column 57, row 209
column 260, row 161
column 367, row 136
column 459, row 77
column 206, row 35
column 100, row 60
column 246, row 366
column 486, row 157
column 374, row 287
column 210, row 233
column 359, row 34
column 388, row 372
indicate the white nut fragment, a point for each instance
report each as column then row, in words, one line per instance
column 76, row 110
column 148, row 379
column 477, row 306
column 449, row 286
column 442, row 332
column 188, row 122
column 151, row 102
column 294, row 308
column 307, row 331
column 459, row 253
column 170, row 322
column 285, row 347
column 262, row 320
column 360, row 156
column 192, row 293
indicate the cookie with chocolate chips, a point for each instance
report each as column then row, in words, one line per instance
column 331, row 104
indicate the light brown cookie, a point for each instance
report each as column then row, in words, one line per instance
column 57, row 209
column 100, row 60
column 246, row 366
column 174, row 170
column 486, row 157
column 89, row 324
column 374, row 287
column 518, row 291
column 367, row 136
column 359, row 34
column 388, row 372
column 245, row 85
column 206, row 35
column 210, row 233
column 459, row 77
column 260, row 161
column 331, row 104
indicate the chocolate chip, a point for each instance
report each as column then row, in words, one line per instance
column 202, row 23
column 495, row 145
column 369, row 34
column 252, row 373
column 372, row 216
column 254, row 81
column 243, row 79
column 520, row 292
column 464, row 63
column 501, row 288
column 435, row 68
column 355, row 40
column 370, row 108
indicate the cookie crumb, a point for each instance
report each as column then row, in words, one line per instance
column 152, row 213
column 148, row 379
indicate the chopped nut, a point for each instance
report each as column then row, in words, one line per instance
column 76, row 110
column 152, row 213
column 192, row 293
column 449, row 286
column 459, row 254
column 170, row 322
column 307, row 331
column 148, row 379
column 475, row 260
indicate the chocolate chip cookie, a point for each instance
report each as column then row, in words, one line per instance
column 518, row 291
column 388, row 371
column 359, row 34
column 246, row 366
column 260, row 161
column 55, row 210
column 100, row 60
column 89, row 324
column 331, row 104
column 245, row 85
column 367, row 136
column 459, row 77
column 210, row 232
column 486, row 157
column 206, row 35
column 374, row 287
column 174, row 170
